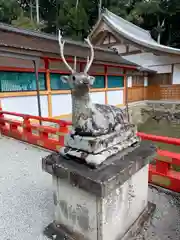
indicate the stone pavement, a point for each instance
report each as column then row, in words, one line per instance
column 26, row 204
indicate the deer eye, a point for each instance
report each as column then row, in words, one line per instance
column 74, row 78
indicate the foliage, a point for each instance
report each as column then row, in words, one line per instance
column 9, row 10
column 26, row 23
column 77, row 17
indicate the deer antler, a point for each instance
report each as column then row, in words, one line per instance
column 75, row 60
column 89, row 62
column 61, row 45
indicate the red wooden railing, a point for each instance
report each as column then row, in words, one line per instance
column 52, row 137
column 49, row 137
column 161, row 173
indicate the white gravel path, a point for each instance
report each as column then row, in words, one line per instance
column 26, row 205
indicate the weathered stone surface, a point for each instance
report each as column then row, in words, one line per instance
column 107, row 176
column 82, row 214
column 98, row 131
column 95, row 159
column 59, row 232
column 98, row 119
column 93, row 120
column 100, row 143
column 95, row 150
column 157, row 110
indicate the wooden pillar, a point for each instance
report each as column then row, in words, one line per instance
column 36, row 68
column 48, row 84
column 106, row 84
column 125, row 95
column 81, row 66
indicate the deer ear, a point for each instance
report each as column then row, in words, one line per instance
column 64, row 79
column 91, row 80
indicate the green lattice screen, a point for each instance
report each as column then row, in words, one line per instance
column 20, row 81
column 115, row 81
column 99, row 82
column 57, row 83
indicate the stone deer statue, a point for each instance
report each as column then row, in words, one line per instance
column 89, row 119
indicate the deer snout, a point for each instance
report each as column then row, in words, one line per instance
column 85, row 81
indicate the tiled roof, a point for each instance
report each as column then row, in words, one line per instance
column 134, row 33
column 48, row 44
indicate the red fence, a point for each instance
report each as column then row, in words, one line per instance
column 161, row 173
column 50, row 137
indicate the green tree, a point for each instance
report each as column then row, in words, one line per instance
column 154, row 15
column 9, row 10
column 25, row 22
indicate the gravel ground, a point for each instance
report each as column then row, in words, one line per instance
column 165, row 223
column 26, row 205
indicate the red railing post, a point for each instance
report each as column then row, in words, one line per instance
column 26, row 128
column 162, row 167
column 2, row 123
column 62, row 131
column 162, row 173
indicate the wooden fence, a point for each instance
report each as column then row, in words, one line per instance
column 136, row 94
column 154, row 92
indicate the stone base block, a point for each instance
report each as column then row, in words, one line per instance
column 58, row 232
column 95, row 160
column 102, row 203
column 98, row 144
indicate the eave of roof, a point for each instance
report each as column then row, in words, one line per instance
column 46, row 36
column 143, row 38
column 113, row 56
column 108, row 55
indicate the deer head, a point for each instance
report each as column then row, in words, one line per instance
column 77, row 80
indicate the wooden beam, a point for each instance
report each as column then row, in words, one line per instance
column 131, row 53
column 48, row 84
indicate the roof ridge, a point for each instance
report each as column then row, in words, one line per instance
column 127, row 22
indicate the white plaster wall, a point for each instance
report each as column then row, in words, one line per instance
column 115, row 97
column 121, row 48
column 162, row 69
column 145, row 81
column 161, row 64
column 132, row 48
column 129, row 81
column 25, row 105
column 176, row 74
column 124, row 205
column 98, row 97
column 61, row 104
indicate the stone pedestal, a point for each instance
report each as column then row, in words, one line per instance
column 108, row 203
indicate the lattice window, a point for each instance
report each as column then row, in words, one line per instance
column 115, row 81
column 99, row 82
column 20, row 81
column 57, row 83
column 160, row 79
column 137, row 80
